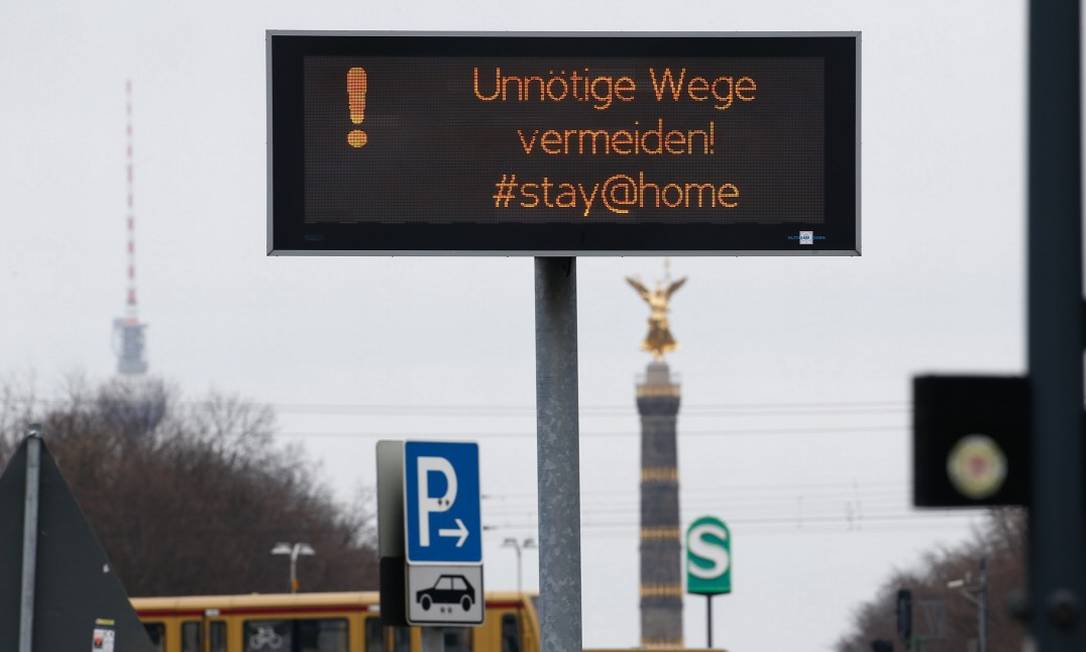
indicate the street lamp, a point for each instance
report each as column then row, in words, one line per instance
column 294, row 550
column 977, row 593
column 518, row 546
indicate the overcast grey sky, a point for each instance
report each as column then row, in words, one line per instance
column 817, row 496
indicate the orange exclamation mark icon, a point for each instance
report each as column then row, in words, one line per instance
column 356, row 100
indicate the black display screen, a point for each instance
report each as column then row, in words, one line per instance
column 541, row 144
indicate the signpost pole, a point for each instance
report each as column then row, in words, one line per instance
column 1056, row 570
column 558, row 453
column 433, row 639
column 30, row 539
column 709, row 619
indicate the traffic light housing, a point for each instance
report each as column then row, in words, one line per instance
column 970, row 441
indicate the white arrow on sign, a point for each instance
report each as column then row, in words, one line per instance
column 460, row 531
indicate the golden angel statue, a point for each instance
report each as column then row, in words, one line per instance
column 659, row 340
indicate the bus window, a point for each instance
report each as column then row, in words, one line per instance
column 510, row 633
column 157, row 633
column 267, row 635
column 218, row 636
column 190, row 636
column 375, row 635
column 321, row 635
column 309, row 635
column 457, row 639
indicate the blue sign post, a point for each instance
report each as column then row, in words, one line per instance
column 442, row 520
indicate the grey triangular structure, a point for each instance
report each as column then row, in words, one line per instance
column 77, row 596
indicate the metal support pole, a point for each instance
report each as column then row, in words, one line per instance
column 558, row 456
column 1057, row 574
column 520, row 585
column 709, row 620
column 294, row 570
column 982, row 607
column 433, row 639
column 30, row 538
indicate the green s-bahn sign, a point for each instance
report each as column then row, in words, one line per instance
column 708, row 557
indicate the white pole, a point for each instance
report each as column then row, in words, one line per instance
column 294, row 568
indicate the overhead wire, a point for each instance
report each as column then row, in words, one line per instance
column 725, row 432
column 409, row 409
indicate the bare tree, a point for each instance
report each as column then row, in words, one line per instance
column 189, row 497
column 943, row 620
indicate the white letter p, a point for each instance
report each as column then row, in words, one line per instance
column 428, row 503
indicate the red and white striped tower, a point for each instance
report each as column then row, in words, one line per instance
column 128, row 331
column 131, row 310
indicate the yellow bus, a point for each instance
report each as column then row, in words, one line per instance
column 327, row 622
column 322, row 622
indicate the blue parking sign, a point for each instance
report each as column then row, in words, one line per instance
column 442, row 519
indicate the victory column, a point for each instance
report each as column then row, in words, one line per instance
column 661, row 548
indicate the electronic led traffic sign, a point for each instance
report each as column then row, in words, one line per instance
column 563, row 144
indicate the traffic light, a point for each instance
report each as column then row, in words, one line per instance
column 905, row 615
column 970, row 441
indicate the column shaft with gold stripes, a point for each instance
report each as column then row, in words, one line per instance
column 661, row 549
